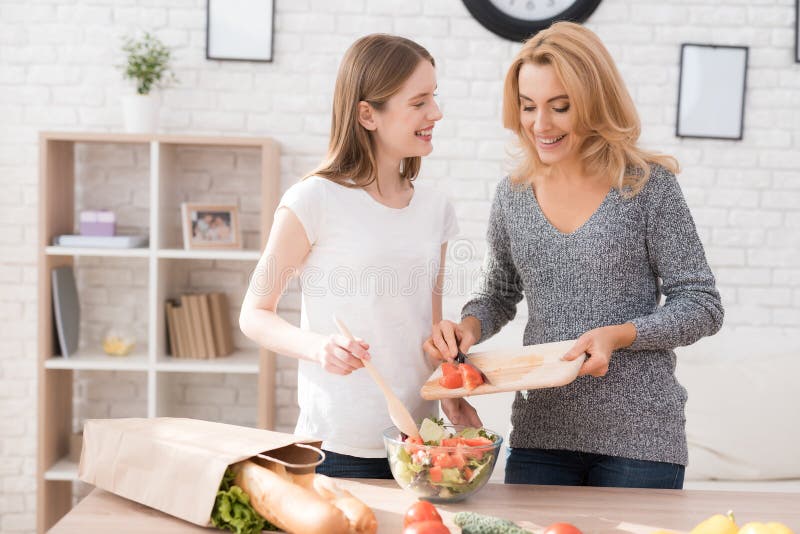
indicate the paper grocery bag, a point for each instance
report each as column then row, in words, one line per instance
column 176, row 465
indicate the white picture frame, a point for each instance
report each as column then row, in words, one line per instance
column 210, row 226
column 711, row 91
column 240, row 30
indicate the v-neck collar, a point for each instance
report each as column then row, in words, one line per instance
column 579, row 229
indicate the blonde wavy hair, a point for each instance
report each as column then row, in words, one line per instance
column 373, row 70
column 605, row 115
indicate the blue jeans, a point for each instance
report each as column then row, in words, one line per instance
column 571, row 468
column 343, row 466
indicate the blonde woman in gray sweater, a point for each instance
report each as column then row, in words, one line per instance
column 592, row 230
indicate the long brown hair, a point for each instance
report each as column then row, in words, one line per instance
column 605, row 115
column 373, row 69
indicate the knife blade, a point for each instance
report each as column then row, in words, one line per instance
column 462, row 358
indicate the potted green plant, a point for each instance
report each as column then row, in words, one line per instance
column 148, row 66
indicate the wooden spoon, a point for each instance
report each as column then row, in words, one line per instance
column 397, row 411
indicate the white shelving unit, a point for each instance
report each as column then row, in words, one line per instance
column 98, row 252
column 234, row 255
column 57, row 216
column 85, row 361
column 63, row 470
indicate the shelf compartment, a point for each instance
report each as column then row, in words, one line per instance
column 63, row 469
column 244, row 361
column 98, row 361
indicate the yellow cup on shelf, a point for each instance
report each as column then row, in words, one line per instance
column 118, row 344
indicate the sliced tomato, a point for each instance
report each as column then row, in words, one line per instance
column 410, row 443
column 476, row 442
column 458, row 459
column 471, row 376
column 451, row 381
column 476, row 447
column 435, row 473
column 443, row 460
column 450, row 442
column 421, row 511
column 449, row 368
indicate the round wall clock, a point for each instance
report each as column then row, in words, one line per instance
column 517, row 20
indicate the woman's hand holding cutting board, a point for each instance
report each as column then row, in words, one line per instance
column 598, row 344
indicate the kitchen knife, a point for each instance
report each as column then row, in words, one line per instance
column 462, row 358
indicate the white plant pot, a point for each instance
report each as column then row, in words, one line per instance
column 140, row 113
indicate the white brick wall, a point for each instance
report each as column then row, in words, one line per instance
column 57, row 72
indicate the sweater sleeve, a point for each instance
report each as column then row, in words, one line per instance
column 692, row 308
column 499, row 289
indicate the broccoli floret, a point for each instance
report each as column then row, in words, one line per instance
column 472, row 523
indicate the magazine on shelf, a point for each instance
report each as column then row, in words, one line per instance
column 66, row 310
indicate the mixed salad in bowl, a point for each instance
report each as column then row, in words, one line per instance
column 446, row 463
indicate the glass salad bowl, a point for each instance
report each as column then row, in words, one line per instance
column 447, row 464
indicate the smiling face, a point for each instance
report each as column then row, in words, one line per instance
column 403, row 128
column 546, row 116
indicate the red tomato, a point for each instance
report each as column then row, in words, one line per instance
column 449, row 368
column 410, row 442
column 435, row 473
column 445, row 460
column 427, row 527
column 421, row 511
column 562, row 528
column 476, row 442
column 471, row 376
column 451, row 381
column 458, row 459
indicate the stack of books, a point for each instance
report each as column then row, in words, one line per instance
column 198, row 326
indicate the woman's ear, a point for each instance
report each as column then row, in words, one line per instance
column 366, row 116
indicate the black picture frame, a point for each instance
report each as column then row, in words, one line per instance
column 797, row 31
column 711, row 91
column 515, row 29
column 232, row 29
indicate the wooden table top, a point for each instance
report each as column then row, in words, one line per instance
column 593, row 510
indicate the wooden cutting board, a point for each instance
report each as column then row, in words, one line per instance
column 531, row 367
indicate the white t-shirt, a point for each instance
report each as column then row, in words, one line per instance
column 374, row 267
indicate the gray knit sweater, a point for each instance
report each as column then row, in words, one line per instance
column 604, row 273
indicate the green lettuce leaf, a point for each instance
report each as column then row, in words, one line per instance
column 232, row 510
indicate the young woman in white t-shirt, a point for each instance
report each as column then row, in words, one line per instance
column 369, row 245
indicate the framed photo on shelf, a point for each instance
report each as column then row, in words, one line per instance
column 711, row 91
column 240, row 30
column 210, row 226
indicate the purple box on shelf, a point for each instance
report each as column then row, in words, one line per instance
column 98, row 223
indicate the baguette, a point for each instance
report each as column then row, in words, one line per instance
column 287, row 505
column 362, row 519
